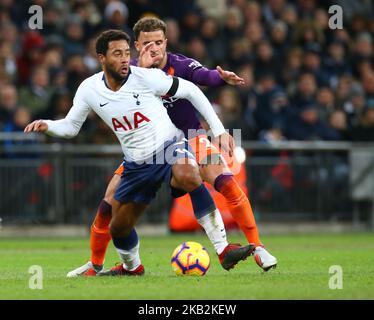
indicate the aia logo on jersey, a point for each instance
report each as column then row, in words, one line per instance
column 169, row 101
column 126, row 125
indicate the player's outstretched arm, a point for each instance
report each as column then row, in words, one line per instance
column 230, row 77
column 187, row 90
column 36, row 126
column 64, row 128
column 202, row 76
column 71, row 124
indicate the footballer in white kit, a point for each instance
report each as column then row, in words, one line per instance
column 135, row 112
column 137, row 116
column 128, row 100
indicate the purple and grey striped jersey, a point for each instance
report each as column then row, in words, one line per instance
column 181, row 111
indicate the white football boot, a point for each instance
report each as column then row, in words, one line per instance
column 87, row 269
column 264, row 259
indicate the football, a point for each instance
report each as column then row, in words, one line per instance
column 191, row 259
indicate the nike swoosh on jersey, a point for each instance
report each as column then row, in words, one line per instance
column 103, row 104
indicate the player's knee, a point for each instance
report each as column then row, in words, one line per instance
column 119, row 230
column 211, row 172
column 189, row 178
column 105, row 209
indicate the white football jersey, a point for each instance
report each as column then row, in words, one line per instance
column 135, row 112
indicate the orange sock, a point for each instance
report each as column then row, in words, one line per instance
column 100, row 235
column 239, row 206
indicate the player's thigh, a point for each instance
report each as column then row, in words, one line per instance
column 185, row 175
column 111, row 188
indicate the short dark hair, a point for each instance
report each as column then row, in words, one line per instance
column 102, row 42
column 148, row 25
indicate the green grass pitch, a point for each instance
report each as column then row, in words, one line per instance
column 302, row 273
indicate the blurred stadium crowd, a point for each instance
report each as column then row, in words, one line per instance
column 304, row 81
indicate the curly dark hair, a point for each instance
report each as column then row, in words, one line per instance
column 105, row 37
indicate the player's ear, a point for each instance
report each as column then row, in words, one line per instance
column 101, row 58
column 137, row 45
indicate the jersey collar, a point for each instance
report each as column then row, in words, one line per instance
column 123, row 82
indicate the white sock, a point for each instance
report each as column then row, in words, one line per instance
column 130, row 258
column 215, row 230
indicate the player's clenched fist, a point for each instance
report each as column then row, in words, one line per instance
column 37, row 125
